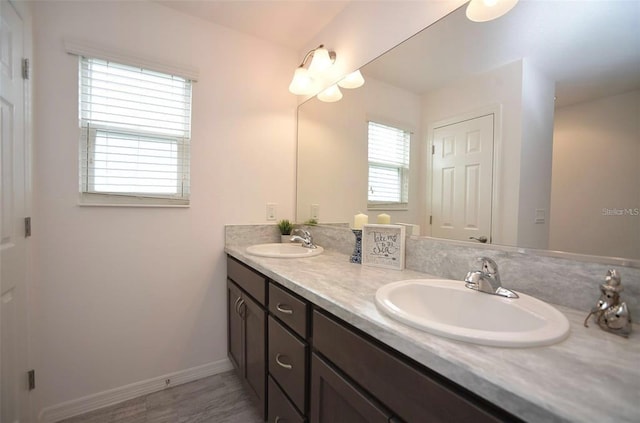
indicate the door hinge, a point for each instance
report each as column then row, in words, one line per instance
column 27, row 227
column 430, row 220
column 32, row 379
column 25, row 68
column 433, row 149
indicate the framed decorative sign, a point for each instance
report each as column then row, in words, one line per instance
column 383, row 246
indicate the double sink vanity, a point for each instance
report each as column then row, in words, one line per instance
column 319, row 339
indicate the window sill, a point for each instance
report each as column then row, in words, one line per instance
column 106, row 200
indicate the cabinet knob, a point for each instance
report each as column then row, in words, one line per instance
column 283, row 308
column 281, row 364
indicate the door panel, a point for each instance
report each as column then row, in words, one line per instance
column 234, row 328
column 14, row 398
column 462, row 179
column 254, row 347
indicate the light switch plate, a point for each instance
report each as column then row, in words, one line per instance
column 271, row 211
column 315, row 211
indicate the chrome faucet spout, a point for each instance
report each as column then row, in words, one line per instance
column 305, row 238
column 487, row 280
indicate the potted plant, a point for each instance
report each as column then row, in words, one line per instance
column 285, row 228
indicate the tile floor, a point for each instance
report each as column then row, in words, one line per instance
column 215, row 399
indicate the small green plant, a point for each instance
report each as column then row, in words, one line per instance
column 311, row 222
column 285, row 227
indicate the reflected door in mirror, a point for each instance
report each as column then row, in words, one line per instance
column 462, row 179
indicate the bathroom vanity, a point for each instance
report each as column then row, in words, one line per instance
column 327, row 351
column 328, row 377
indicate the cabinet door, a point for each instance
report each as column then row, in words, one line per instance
column 254, row 339
column 234, row 327
column 335, row 400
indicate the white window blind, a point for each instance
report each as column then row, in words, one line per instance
column 388, row 165
column 136, row 130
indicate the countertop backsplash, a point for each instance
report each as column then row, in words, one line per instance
column 559, row 278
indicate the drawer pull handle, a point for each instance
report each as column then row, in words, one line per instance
column 283, row 308
column 281, row 364
column 278, row 420
column 236, row 304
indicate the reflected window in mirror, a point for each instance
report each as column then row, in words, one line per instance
column 388, row 149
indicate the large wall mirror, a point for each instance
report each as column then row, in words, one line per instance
column 524, row 131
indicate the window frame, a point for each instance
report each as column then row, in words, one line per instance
column 89, row 132
column 404, row 172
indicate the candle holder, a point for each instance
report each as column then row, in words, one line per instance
column 356, row 257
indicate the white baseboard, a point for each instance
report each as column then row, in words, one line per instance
column 113, row 396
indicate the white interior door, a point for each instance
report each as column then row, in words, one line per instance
column 14, row 400
column 462, row 179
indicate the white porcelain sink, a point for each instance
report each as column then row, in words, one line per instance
column 447, row 308
column 284, row 250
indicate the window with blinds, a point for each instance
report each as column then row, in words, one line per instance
column 135, row 133
column 388, row 166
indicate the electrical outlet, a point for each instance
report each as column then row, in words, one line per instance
column 540, row 216
column 315, row 211
column 271, row 211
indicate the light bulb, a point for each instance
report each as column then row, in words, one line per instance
column 486, row 10
column 330, row 95
column 320, row 62
column 302, row 83
column 353, row 80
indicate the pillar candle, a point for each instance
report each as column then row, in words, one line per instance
column 359, row 220
column 384, row 219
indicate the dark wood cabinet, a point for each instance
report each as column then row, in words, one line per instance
column 336, row 400
column 281, row 410
column 301, row 363
column 412, row 392
column 288, row 362
column 288, row 354
column 246, row 330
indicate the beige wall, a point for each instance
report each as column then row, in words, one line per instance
column 128, row 294
column 332, row 162
column 596, row 166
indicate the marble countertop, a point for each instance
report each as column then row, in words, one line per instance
column 591, row 376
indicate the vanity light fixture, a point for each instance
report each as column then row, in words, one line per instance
column 353, row 80
column 487, row 10
column 330, row 95
column 304, row 80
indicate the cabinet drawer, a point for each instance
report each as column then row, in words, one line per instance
column 289, row 309
column 251, row 281
column 280, row 409
column 413, row 395
column 335, row 399
column 288, row 362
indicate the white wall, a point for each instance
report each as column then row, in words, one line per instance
column 366, row 29
column 535, row 165
column 501, row 88
column 128, row 294
column 332, row 162
column 596, row 166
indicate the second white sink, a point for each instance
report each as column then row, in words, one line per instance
column 284, row 250
column 446, row 308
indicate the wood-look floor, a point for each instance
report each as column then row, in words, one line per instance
column 215, row 399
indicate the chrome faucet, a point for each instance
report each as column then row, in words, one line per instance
column 487, row 280
column 306, row 238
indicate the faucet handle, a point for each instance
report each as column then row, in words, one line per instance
column 303, row 231
column 488, row 265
